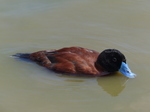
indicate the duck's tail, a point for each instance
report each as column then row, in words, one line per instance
column 22, row 55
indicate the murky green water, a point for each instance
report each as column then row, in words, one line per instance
column 32, row 25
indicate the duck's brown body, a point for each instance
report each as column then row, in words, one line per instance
column 72, row 60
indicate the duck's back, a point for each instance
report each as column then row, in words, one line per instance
column 74, row 60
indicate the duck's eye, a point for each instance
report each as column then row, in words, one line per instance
column 114, row 59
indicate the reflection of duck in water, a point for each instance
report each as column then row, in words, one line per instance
column 113, row 85
column 77, row 60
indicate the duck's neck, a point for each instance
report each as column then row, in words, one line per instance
column 99, row 67
column 101, row 70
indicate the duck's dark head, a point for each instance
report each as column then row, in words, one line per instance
column 113, row 60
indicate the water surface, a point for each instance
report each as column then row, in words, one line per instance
column 32, row 25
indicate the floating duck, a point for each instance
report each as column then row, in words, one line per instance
column 81, row 61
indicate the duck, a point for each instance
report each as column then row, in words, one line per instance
column 81, row 61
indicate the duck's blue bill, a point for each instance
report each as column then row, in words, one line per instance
column 125, row 70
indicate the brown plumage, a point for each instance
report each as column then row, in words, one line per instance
column 73, row 60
